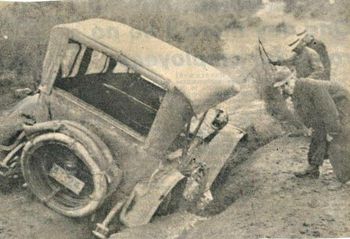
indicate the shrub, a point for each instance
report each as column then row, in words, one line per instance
column 322, row 9
column 192, row 26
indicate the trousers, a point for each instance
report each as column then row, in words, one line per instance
column 318, row 149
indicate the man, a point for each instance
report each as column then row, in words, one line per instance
column 305, row 61
column 323, row 106
column 321, row 50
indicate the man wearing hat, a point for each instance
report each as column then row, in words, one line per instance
column 305, row 61
column 323, row 106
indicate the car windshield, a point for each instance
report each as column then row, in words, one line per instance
column 110, row 86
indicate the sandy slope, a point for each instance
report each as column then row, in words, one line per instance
column 271, row 202
column 274, row 203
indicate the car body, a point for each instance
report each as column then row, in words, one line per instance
column 141, row 99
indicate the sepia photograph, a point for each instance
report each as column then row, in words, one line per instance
column 177, row 119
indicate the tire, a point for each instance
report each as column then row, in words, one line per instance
column 58, row 144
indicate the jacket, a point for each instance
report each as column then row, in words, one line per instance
column 306, row 63
column 321, row 50
column 322, row 104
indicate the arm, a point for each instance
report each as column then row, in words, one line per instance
column 285, row 62
column 316, row 65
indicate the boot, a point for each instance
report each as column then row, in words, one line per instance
column 310, row 172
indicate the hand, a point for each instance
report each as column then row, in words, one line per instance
column 308, row 132
column 329, row 138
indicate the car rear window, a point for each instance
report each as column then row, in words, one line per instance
column 110, row 86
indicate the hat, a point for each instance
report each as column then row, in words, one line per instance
column 300, row 33
column 281, row 76
column 294, row 42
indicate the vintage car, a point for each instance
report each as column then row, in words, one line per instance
column 119, row 115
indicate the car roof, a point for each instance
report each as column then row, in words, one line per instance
column 203, row 85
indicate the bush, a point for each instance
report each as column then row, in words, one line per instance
column 322, row 9
column 192, row 26
column 275, row 103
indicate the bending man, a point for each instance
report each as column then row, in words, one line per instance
column 323, row 106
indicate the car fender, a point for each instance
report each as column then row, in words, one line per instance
column 218, row 151
column 148, row 195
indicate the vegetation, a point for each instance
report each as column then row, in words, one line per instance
column 193, row 26
column 338, row 10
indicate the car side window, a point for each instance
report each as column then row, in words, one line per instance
column 111, row 86
column 98, row 63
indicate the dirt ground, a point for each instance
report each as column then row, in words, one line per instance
column 22, row 216
column 268, row 201
column 274, row 203
column 271, row 203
